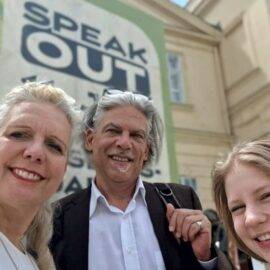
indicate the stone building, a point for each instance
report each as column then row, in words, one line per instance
column 222, row 95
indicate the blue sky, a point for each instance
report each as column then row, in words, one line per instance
column 180, row 2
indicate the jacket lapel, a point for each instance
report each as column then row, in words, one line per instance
column 175, row 256
column 77, row 228
column 167, row 242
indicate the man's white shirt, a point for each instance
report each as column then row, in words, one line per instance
column 122, row 240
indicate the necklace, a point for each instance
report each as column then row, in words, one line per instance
column 11, row 258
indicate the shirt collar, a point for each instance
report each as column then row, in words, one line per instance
column 96, row 195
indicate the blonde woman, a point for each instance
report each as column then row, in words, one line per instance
column 37, row 123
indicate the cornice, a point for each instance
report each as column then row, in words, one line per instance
column 178, row 32
column 181, row 15
column 197, row 7
column 251, row 99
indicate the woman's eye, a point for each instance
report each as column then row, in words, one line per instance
column 18, row 135
column 265, row 196
column 55, row 147
column 236, row 208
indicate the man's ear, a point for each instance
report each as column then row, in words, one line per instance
column 88, row 139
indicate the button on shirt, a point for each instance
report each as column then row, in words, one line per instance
column 122, row 240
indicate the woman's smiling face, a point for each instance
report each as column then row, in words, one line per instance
column 34, row 141
column 248, row 193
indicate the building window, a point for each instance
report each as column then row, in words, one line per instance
column 175, row 73
column 189, row 181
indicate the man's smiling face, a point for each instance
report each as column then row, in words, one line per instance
column 119, row 145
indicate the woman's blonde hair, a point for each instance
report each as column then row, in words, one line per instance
column 254, row 153
column 40, row 230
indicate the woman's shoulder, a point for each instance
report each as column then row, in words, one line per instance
column 13, row 258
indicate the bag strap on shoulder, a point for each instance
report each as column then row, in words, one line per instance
column 166, row 194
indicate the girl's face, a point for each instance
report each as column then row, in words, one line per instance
column 248, row 193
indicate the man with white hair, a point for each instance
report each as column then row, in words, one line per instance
column 120, row 222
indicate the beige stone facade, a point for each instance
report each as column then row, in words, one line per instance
column 224, row 47
column 245, row 58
